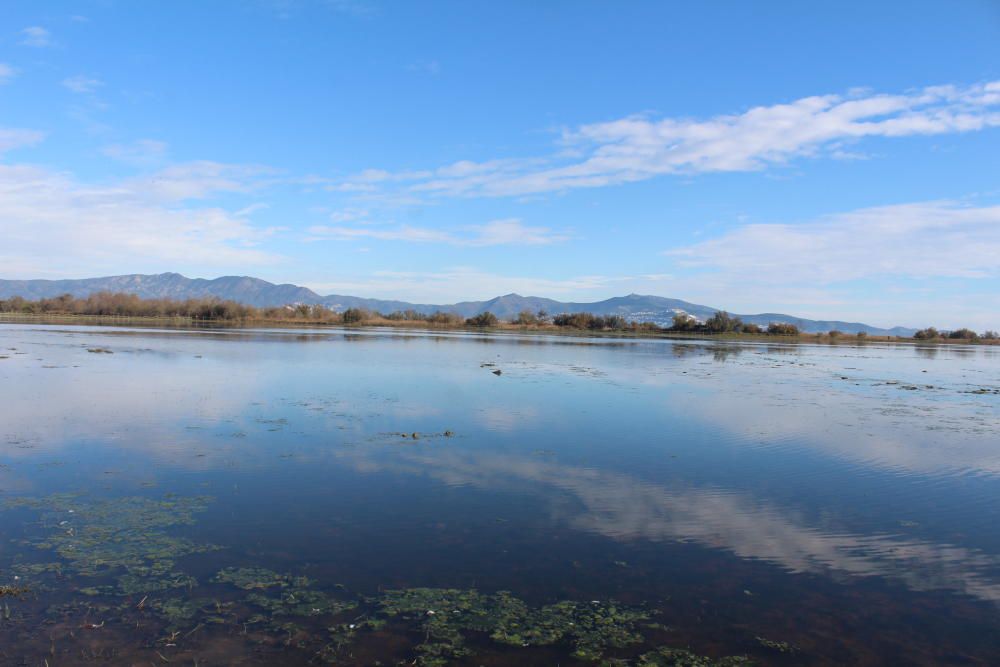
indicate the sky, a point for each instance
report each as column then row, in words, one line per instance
column 827, row 160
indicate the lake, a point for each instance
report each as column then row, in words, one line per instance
column 368, row 497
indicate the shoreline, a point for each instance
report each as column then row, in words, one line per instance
column 501, row 328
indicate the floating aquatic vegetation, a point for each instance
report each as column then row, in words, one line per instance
column 301, row 602
column 14, row 591
column 677, row 657
column 36, row 569
column 132, row 584
column 417, row 435
column 254, row 578
column 343, row 635
column 781, row 647
column 592, row 627
column 127, row 546
column 127, row 537
column 283, row 596
column 178, row 610
column 444, row 613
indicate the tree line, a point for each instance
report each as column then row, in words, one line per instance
column 931, row 333
column 213, row 309
column 102, row 304
column 219, row 310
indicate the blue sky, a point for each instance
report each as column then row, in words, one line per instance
column 840, row 161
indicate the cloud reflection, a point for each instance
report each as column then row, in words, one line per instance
column 622, row 507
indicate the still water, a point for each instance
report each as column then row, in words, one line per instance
column 381, row 497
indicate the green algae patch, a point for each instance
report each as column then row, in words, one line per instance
column 677, row 657
column 129, row 547
column 127, row 538
column 282, row 594
column 181, row 612
column 445, row 615
column 36, row 569
column 592, row 627
column 774, row 645
column 301, row 602
column 255, row 578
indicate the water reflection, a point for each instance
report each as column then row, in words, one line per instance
column 623, row 507
column 850, row 463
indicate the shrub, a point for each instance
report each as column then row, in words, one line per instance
column 574, row 320
column 722, row 322
column 963, row 334
column 782, row 329
column 441, row 317
column 486, row 319
column 684, row 322
column 615, row 322
column 408, row 315
column 591, row 321
column 751, row 328
column 354, row 315
column 927, row 334
column 525, row 318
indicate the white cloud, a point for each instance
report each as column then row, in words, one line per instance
column 200, row 180
column 497, row 232
column 142, row 152
column 402, row 233
column 922, row 263
column 13, row 137
column 348, row 215
column 637, row 148
column 369, row 180
column 351, row 187
column 251, row 209
column 55, row 225
column 941, row 239
column 36, row 36
column 82, row 84
column 6, row 73
column 512, row 232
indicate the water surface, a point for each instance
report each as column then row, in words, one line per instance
column 255, row 497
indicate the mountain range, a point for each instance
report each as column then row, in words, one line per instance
column 260, row 293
